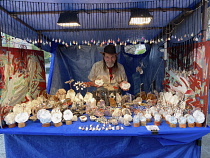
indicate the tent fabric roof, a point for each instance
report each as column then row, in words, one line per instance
column 100, row 20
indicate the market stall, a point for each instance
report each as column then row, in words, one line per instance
column 159, row 110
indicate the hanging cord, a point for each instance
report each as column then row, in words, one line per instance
column 156, row 73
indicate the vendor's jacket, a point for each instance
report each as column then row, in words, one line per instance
column 97, row 72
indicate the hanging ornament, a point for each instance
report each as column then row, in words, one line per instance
column 181, row 38
column 70, row 43
column 196, row 39
column 169, row 38
column 185, row 35
column 175, row 36
column 192, row 34
column 53, row 39
column 79, row 47
column 118, row 40
column 56, row 41
column 63, row 42
column 74, row 42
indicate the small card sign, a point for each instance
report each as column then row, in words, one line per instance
column 152, row 128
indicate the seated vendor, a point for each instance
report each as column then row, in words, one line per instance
column 109, row 70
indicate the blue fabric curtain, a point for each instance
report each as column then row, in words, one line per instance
column 25, row 146
column 153, row 69
column 52, row 60
column 74, row 63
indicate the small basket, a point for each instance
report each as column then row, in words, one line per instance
column 46, row 124
column 12, row 125
column 136, row 124
column 172, row 125
column 191, row 125
column 22, row 124
column 68, row 122
column 58, row 124
column 198, row 124
column 182, row 125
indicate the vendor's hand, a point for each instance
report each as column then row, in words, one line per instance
column 95, row 85
column 124, row 85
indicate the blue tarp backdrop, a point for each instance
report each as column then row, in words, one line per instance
column 74, row 63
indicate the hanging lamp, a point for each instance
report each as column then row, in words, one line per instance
column 68, row 19
column 140, row 16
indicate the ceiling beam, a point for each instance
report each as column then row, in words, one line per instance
column 100, row 29
column 16, row 18
column 98, row 11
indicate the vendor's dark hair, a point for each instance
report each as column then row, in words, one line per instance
column 115, row 67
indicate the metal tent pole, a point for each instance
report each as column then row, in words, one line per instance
column 204, row 20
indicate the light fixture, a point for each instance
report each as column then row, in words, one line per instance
column 68, row 19
column 140, row 17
